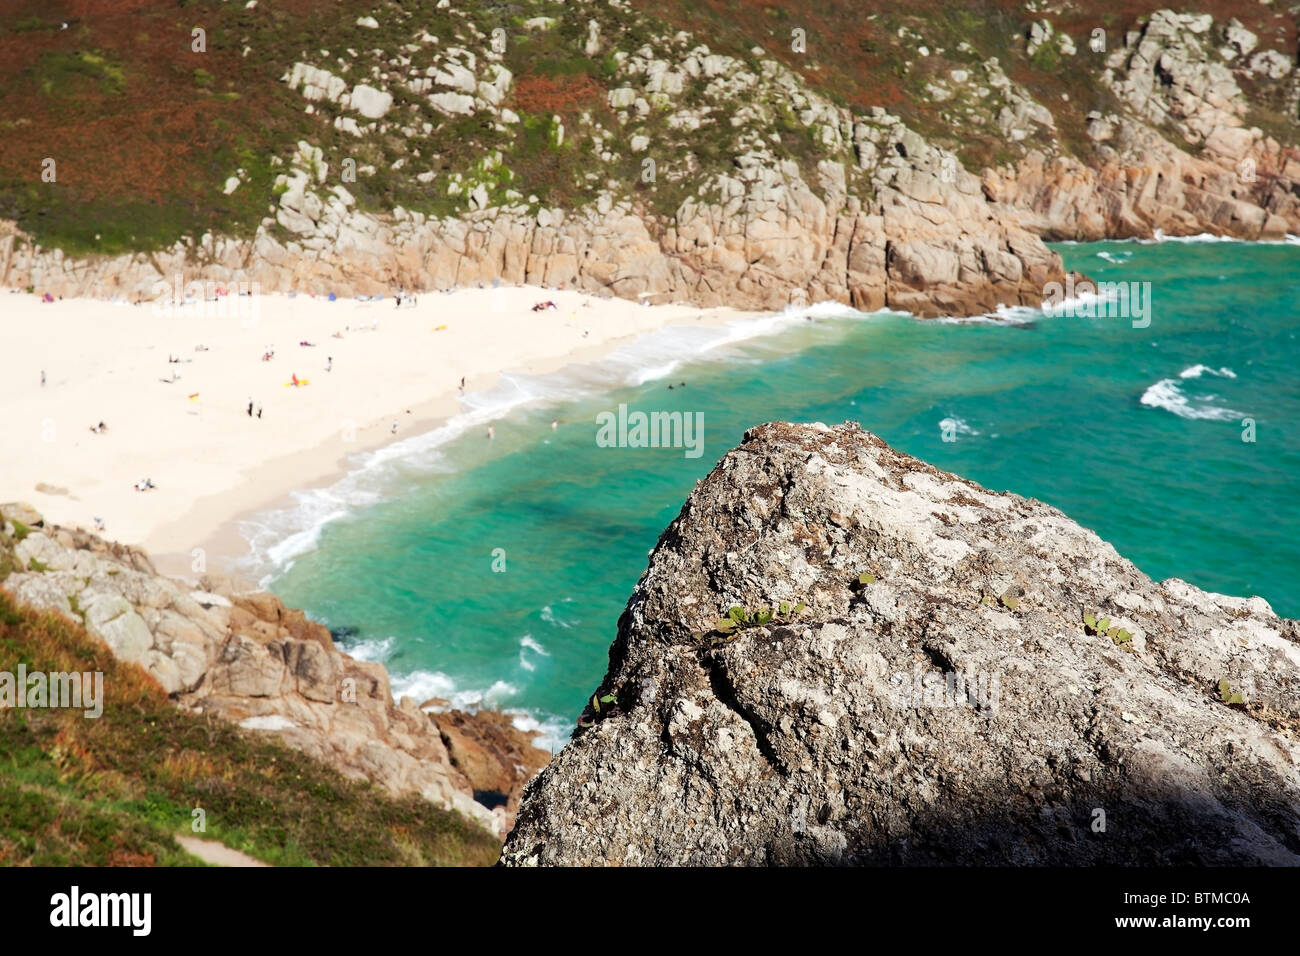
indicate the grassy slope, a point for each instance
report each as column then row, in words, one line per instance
column 114, row 790
column 145, row 131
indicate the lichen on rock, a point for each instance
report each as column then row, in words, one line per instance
column 939, row 701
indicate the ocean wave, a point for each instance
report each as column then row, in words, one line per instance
column 553, row 731
column 1005, row 315
column 425, row 685
column 526, row 644
column 548, row 615
column 370, row 649
column 660, row 353
column 1165, row 394
column 958, row 426
column 1160, row 236
column 1196, row 371
column 422, row 685
column 1082, row 305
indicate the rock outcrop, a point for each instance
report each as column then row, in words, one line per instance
column 940, row 699
column 713, row 179
column 1177, row 156
column 925, row 239
column 241, row 656
column 732, row 178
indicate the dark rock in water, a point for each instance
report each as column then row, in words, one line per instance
column 940, row 700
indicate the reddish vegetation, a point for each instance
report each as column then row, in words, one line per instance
column 138, row 126
column 141, row 142
column 557, row 94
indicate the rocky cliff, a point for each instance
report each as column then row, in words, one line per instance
column 1175, row 152
column 841, row 655
column 241, row 656
column 640, row 151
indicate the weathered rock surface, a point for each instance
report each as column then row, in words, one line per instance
column 494, row 755
column 954, row 710
column 1225, row 178
column 242, row 656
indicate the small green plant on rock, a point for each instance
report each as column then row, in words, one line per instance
column 738, row 619
column 1007, row 599
column 597, row 699
column 1228, row 695
column 1094, row 624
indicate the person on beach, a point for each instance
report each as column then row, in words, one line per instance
column 329, row 363
column 259, row 411
column 492, row 432
column 394, row 428
column 554, row 425
column 42, row 378
column 250, row 408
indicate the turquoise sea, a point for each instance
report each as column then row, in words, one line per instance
column 494, row 572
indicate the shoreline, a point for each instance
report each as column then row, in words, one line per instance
column 215, row 469
column 225, row 547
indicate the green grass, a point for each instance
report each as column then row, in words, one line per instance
column 116, row 790
column 66, row 74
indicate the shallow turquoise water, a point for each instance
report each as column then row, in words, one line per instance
column 1052, row 407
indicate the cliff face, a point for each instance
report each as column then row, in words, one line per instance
column 941, row 699
column 928, row 242
column 1176, row 153
column 241, row 656
column 904, row 158
column 838, row 205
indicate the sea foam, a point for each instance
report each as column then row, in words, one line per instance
column 1167, row 395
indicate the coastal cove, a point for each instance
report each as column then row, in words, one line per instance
column 493, row 572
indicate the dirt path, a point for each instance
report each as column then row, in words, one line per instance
column 210, row 851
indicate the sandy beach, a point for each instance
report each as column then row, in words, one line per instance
column 172, row 385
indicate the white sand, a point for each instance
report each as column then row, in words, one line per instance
column 209, row 460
